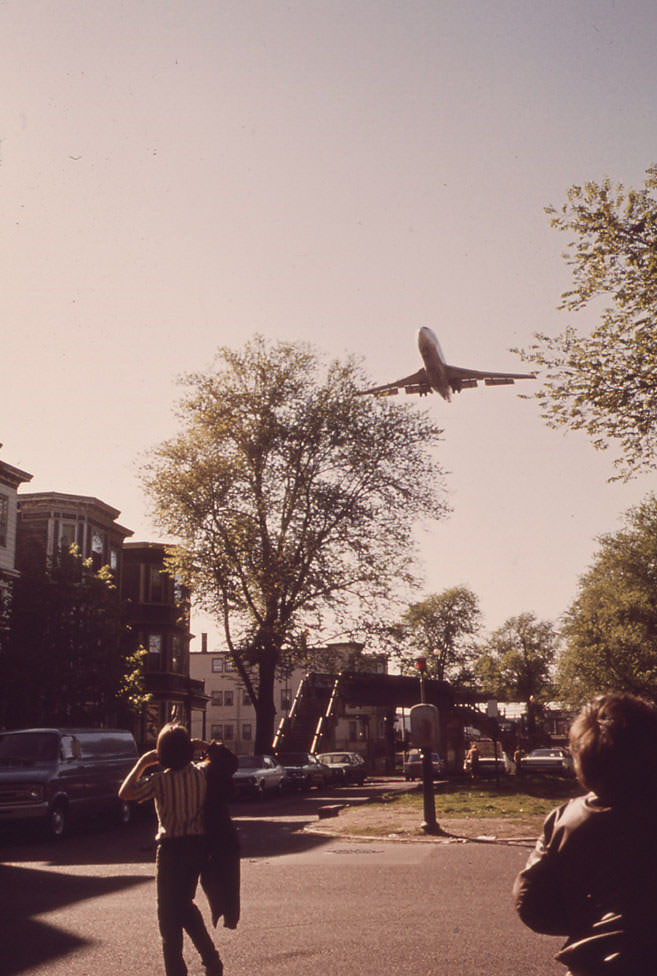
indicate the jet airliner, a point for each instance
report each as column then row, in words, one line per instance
column 437, row 376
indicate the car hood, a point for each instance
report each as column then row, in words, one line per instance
column 26, row 773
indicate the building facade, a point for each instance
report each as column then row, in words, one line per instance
column 51, row 522
column 10, row 480
column 158, row 610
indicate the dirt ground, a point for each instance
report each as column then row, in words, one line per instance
column 381, row 820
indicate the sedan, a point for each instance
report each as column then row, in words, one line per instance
column 412, row 767
column 257, row 775
column 548, row 760
column 345, row 767
column 303, row 770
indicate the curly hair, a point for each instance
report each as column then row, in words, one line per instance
column 174, row 748
column 614, row 745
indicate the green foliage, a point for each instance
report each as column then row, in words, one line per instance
column 131, row 692
column 443, row 628
column 611, row 628
column 604, row 383
column 516, row 661
column 292, row 498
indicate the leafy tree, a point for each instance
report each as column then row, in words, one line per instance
column 604, row 383
column 610, row 630
column 292, row 498
column 67, row 651
column 517, row 659
column 443, row 629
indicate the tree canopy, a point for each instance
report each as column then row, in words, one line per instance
column 517, row 660
column 442, row 628
column 603, row 383
column 610, row 630
column 291, row 497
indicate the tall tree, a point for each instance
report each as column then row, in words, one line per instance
column 610, row 630
column 604, row 383
column 517, row 660
column 291, row 497
column 441, row 628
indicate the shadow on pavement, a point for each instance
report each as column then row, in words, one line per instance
column 25, row 893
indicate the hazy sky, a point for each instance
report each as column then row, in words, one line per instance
column 180, row 174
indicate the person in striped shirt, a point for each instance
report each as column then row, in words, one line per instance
column 179, row 790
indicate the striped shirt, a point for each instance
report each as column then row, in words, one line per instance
column 179, row 796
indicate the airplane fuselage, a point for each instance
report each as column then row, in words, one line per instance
column 434, row 361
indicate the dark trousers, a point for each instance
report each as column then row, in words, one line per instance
column 179, row 861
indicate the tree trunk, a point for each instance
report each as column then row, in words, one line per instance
column 264, row 706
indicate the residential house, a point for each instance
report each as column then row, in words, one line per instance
column 10, row 479
column 50, row 522
column 159, row 613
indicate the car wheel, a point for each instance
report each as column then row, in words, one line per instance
column 260, row 790
column 57, row 822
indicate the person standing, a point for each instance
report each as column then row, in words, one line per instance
column 179, row 789
column 592, row 874
column 472, row 760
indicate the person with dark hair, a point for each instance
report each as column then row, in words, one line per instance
column 591, row 876
column 179, row 790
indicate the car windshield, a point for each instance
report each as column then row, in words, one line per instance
column 32, row 746
column 335, row 758
column 249, row 762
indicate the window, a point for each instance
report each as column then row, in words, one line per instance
column 217, row 731
column 154, row 643
column 229, row 665
column 246, row 700
column 157, row 589
column 4, row 519
column 217, row 664
column 228, row 698
column 67, row 535
column 217, row 697
column 228, row 732
column 353, row 731
column 246, row 731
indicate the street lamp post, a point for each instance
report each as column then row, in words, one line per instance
column 424, row 726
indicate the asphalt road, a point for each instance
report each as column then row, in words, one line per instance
column 310, row 904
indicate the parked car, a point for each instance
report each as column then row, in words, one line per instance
column 548, row 760
column 412, row 766
column 257, row 775
column 345, row 767
column 57, row 775
column 490, row 766
column 303, row 770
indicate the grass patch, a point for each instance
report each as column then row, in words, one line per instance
column 534, row 797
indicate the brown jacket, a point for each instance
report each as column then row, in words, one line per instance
column 593, row 878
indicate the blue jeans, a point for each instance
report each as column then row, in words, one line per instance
column 179, row 861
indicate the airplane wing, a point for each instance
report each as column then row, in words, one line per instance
column 415, row 383
column 462, row 378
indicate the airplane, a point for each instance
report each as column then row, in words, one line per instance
column 437, row 376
